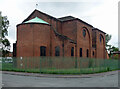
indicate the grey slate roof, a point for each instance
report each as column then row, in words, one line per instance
column 66, row 18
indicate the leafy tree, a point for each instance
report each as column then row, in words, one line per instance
column 5, row 44
column 110, row 48
column 107, row 39
column 113, row 49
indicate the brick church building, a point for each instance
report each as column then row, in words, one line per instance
column 43, row 35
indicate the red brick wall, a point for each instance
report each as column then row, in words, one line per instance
column 100, row 46
column 83, row 42
column 31, row 36
column 93, row 50
column 24, row 37
column 67, row 48
column 56, row 41
column 69, row 29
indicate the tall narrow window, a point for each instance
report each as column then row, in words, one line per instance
column 100, row 38
column 80, row 52
column 87, row 53
column 84, row 32
column 42, row 51
column 93, row 53
column 72, row 51
column 57, row 51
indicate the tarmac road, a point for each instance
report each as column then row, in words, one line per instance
column 13, row 79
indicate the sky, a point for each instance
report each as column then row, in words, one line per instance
column 102, row 14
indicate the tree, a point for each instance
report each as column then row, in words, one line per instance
column 113, row 49
column 5, row 44
column 110, row 48
column 107, row 39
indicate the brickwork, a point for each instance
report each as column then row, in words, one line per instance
column 31, row 36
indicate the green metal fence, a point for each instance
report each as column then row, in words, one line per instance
column 58, row 65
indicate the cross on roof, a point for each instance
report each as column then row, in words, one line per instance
column 36, row 5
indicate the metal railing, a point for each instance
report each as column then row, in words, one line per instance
column 58, row 65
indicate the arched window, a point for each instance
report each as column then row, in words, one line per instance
column 80, row 52
column 100, row 38
column 87, row 53
column 42, row 51
column 84, row 32
column 93, row 53
column 72, row 51
column 57, row 51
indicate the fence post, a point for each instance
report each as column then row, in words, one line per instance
column 40, row 64
column 13, row 63
column 50, row 62
column 25, row 64
column 75, row 62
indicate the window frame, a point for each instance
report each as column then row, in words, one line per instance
column 72, row 51
column 84, row 32
column 81, row 52
column 57, row 51
column 100, row 38
column 87, row 53
column 42, row 50
column 93, row 53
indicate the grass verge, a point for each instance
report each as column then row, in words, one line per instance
column 9, row 67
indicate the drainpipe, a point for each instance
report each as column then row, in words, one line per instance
column 63, row 47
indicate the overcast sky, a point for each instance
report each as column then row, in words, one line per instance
column 102, row 14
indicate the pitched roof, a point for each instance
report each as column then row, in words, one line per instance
column 66, row 18
column 36, row 20
column 39, row 12
column 62, row 19
column 98, row 30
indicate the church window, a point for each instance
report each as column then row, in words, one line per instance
column 72, row 51
column 100, row 38
column 93, row 53
column 80, row 52
column 42, row 51
column 84, row 32
column 57, row 51
column 87, row 52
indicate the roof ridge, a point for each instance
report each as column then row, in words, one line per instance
column 61, row 18
column 67, row 16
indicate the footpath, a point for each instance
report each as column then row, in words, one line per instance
column 61, row 75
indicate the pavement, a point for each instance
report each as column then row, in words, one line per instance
column 19, row 79
column 60, row 75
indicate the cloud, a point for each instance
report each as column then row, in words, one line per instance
column 99, row 13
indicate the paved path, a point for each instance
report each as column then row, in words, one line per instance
column 16, row 79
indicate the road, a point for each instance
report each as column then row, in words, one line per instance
column 109, row 79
